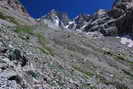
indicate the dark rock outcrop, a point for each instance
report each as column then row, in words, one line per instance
column 101, row 22
column 17, row 56
column 124, row 20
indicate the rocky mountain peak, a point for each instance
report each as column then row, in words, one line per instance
column 59, row 19
column 108, row 22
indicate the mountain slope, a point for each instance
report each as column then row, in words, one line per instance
column 49, row 56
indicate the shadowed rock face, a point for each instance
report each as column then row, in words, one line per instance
column 123, row 11
column 58, row 53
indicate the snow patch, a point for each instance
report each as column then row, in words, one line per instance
column 126, row 41
column 66, row 26
column 94, row 34
column 56, row 22
column 76, row 17
column 71, row 22
column 101, row 12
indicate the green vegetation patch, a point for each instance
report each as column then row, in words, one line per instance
column 128, row 73
column 24, row 29
column 77, row 68
column 87, row 86
column 118, row 55
column 44, row 50
column 42, row 40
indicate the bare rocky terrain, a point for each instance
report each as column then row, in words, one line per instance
column 55, row 52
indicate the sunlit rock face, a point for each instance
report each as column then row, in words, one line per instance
column 101, row 22
column 14, row 11
column 55, row 19
column 15, row 5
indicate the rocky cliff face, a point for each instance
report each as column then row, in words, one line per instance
column 15, row 5
column 88, row 52
column 123, row 11
column 11, row 11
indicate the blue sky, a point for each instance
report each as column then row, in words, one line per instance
column 38, row 8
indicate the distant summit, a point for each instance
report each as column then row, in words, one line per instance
column 117, row 21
